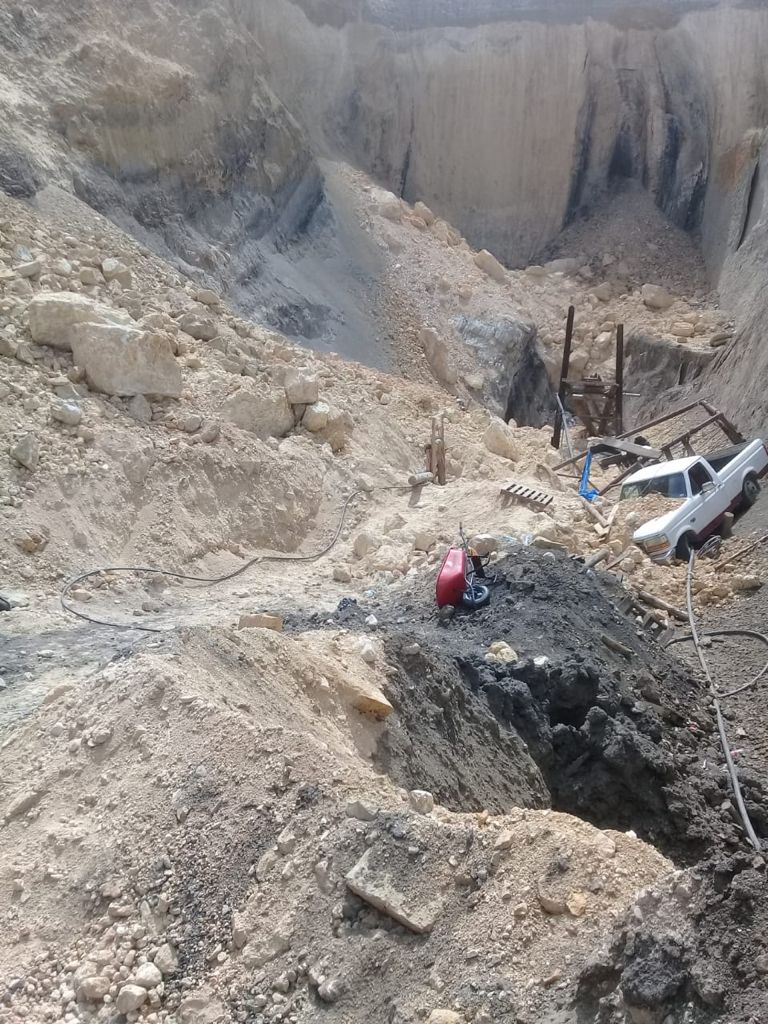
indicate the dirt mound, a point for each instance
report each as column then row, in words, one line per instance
column 203, row 839
column 613, row 735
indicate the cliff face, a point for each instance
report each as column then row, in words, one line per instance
column 198, row 126
column 167, row 126
column 510, row 117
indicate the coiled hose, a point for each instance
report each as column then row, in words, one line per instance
column 210, row 580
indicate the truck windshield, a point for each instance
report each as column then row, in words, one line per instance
column 670, row 486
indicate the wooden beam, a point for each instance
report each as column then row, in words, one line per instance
column 556, row 437
column 619, row 378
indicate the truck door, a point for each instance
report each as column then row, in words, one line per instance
column 705, row 512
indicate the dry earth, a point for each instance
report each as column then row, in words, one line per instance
column 223, row 822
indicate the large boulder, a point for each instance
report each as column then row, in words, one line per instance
column 331, row 424
column 55, row 318
column 260, row 411
column 198, row 326
column 386, row 204
column 656, row 297
column 515, row 376
column 500, row 439
column 488, row 263
column 124, row 361
column 301, row 387
column 438, row 356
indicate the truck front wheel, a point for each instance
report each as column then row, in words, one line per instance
column 750, row 491
column 685, row 547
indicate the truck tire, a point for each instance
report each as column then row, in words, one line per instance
column 750, row 491
column 684, row 547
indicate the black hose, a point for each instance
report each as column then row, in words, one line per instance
column 732, row 773
column 211, row 580
column 728, row 632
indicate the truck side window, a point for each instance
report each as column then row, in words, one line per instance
column 699, row 476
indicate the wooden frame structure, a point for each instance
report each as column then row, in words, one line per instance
column 641, row 455
column 598, row 404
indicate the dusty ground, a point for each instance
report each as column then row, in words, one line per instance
column 181, row 810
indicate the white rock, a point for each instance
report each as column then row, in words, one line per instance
column 124, row 361
column 360, row 810
column 488, row 263
column 166, row 959
column 387, row 204
column 140, row 409
column 500, row 440
column 656, row 297
column 93, row 989
column 26, row 452
column 564, row 265
column 424, row 540
column 130, row 997
column 364, row 543
column 421, row 801
column 56, row 318
column 301, row 387
column 423, row 211
column 32, row 268
column 202, row 1007
column 67, row 413
column 260, row 411
column 201, row 328
column 8, row 346
column 484, row 543
column 90, row 276
column 603, row 292
column 286, row 841
column 147, row 976
column 315, row 417
column 338, row 429
column 682, row 329
column 438, row 356
column 367, row 652
column 114, row 270
column 207, row 297
column 61, row 267
column 342, row 574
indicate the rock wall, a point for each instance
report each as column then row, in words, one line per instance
column 509, row 117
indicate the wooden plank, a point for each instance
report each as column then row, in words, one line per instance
column 556, row 436
column 625, row 447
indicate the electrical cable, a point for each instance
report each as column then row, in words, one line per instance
column 735, row 784
column 728, row 632
column 210, row 580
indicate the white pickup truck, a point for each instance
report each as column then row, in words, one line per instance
column 708, row 488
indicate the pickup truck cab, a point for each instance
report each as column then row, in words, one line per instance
column 708, row 488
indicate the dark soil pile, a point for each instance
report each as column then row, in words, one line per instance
column 613, row 736
column 694, row 952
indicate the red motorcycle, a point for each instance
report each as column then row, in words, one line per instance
column 457, row 579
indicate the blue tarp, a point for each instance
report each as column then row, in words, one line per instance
column 584, row 489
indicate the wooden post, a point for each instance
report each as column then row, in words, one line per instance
column 619, row 379
column 441, row 473
column 563, row 377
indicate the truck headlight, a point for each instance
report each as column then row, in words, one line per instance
column 655, row 544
